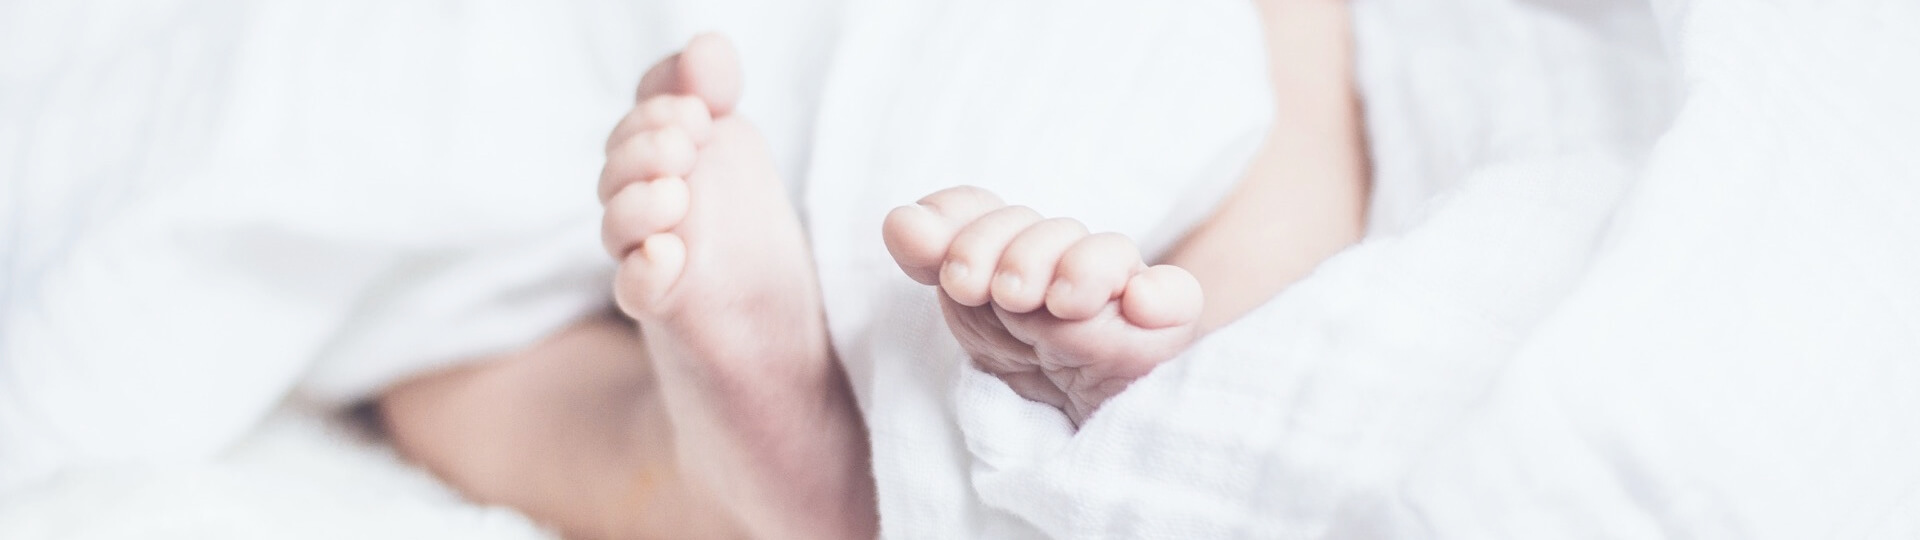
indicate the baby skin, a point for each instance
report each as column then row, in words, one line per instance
column 1065, row 317
column 714, row 266
column 726, row 414
column 1070, row 319
column 712, row 406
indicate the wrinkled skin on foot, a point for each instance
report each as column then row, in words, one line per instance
column 714, row 265
column 1065, row 317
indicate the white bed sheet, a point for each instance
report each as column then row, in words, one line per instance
column 176, row 172
column 210, row 206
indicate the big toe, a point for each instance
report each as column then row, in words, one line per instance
column 917, row 239
column 708, row 68
column 1162, row 296
column 917, row 235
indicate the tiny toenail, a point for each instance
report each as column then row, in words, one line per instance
column 931, row 211
column 956, row 269
column 1010, row 280
column 1060, row 288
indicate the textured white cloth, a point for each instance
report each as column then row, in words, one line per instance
column 1131, row 116
column 216, row 201
column 210, row 204
column 1549, row 334
column 1635, row 272
column 293, row 477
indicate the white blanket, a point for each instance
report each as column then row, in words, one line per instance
column 1131, row 116
column 209, row 205
column 1632, row 274
column 220, row 200
column 1635, row 273
column 294, row 477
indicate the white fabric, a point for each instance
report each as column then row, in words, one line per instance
column 292, row 477
column 1730, row 354
column 210, row 204
column 1635, row 273
column 1131, row 116
column 219, row 199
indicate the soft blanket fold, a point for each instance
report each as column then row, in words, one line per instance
column 1636, row 271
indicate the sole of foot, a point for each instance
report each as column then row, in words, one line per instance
column 714, row 265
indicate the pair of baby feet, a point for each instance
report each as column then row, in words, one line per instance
column 714, row 265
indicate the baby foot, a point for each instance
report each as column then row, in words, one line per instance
column 1108, row 318
column 715, row 267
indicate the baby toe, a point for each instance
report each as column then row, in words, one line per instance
column 961, row 205
column 1163, row 296
column 710, row 69
column 1091, row 273
column 647, row 155
column 1027, row 266
column 918, row 239
column 647, row 274
column 975, row 253
column 919, row 234
column 688, row 113
column 640, row 210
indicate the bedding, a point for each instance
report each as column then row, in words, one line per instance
column 1634, row 269
column 213, row 206
column 298, row 474
column 1637, row 271
column 1502, row 135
